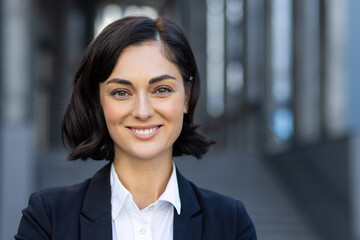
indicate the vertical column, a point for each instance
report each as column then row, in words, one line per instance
column 334, row 81
column 254, row 74
column 279, row 68
column 16, row 138
column 352, row 65
column 215, row 57
column 306, row 71
column 255, row 51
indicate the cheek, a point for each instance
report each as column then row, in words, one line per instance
column 173, row 111
column 108, row 113
column 113, row 113
column 172, row 107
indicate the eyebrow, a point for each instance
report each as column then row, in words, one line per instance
column 151, row 81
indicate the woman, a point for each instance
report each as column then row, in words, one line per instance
column 132, row 103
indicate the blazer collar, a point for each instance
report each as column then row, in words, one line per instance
column 188, row 224
column 95, row 219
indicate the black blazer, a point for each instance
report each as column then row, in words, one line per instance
column 83, row 211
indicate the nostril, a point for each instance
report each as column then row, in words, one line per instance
column 143, row 109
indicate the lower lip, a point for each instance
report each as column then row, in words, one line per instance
column 145, row 136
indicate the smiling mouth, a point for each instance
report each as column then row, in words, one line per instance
column 144, row 131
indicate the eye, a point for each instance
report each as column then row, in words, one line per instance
column 120, row 93
column 163, row 91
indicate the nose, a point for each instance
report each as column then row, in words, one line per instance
column 143, row 109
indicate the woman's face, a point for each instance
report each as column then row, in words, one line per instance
column 143, row 102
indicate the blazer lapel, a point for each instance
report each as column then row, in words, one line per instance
column 95, row 219
column 187, row 225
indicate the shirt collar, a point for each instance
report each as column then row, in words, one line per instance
column 119, row 193
column 171, row 193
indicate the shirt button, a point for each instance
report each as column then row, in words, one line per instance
column 151, row 208
column 142, row 231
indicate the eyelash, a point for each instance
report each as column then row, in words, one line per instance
column 117, row 93
column 167, row 89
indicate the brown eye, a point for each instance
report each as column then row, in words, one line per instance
column 163, row 90
column 119, row 93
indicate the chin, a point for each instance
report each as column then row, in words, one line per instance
column 147, row 154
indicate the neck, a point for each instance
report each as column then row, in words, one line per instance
column 145, row 179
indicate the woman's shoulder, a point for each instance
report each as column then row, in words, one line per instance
column 71, row 193
column 212, row 203
column 209, row 197
column 55, row 199
column 225, row 211
column 49, row 205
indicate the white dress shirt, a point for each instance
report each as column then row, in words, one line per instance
column 153, row 222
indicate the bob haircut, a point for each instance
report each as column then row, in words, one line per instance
column 84, row 131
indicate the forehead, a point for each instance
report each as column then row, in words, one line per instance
column 144, row 49
column 145, row 58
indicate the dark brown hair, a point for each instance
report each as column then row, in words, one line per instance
column 84, row 130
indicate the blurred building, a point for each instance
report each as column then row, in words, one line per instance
column 279, row 94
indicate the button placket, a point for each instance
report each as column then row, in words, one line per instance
column 143, row 233
column 142, row 230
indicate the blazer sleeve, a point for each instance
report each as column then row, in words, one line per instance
column 35, row 222
column 245, row 227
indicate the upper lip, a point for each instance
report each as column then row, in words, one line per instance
column 145, row 127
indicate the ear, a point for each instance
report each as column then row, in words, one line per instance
column 187, row 97
column 186, row 106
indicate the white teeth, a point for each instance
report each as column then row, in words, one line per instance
column 145, row 131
